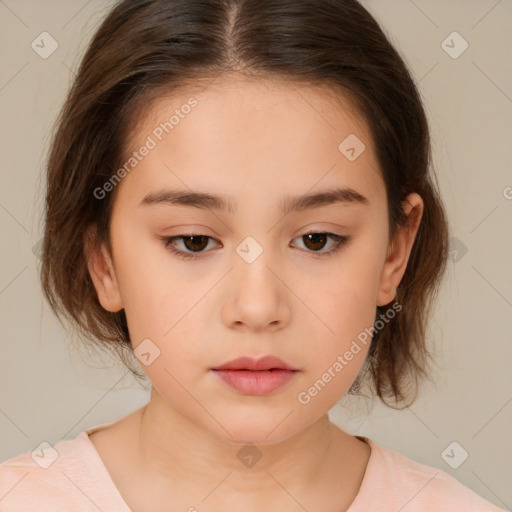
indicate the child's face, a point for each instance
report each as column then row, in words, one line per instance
column 256, row 145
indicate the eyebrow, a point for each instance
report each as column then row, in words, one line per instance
column 223, row 203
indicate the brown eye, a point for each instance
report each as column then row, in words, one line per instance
column 192, row 246
column 315, row 241
column 195, row 242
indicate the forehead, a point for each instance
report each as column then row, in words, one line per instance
column 246, row 134
column 263, row 101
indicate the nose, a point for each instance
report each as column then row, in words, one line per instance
column 258, row 299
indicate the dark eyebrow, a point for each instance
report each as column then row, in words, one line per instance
column 323, row 198
column 193, row 199
column 224, row 203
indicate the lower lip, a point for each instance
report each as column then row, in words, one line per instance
column 255, row 382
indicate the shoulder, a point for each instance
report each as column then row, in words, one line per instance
column 49, row 478
column 394, row 481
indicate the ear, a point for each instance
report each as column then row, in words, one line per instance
column 400, row 250
column 101, row 269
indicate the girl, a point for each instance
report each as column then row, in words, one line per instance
column 239, row 203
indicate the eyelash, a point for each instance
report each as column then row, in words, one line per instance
column 339, row 239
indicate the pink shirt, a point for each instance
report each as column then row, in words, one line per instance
column 71, row 476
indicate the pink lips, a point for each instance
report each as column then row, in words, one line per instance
column 263, row 363
column 256, row 376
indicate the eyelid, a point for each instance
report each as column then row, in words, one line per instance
column 168, row 243
column 339, row 240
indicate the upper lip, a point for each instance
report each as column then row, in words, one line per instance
column 249, row 363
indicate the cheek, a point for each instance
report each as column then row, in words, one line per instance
column 348, row 314
column 346, row 299
column 165, row 313
column 152, row 294
column 346, row 305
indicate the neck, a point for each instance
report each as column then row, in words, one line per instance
column 174, row 449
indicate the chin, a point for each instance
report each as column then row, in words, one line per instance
column 247, row 433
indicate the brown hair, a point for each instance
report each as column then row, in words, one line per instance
column 144, row 48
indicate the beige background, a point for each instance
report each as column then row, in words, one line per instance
column 50, row 392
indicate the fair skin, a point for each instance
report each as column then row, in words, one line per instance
column 257, row 143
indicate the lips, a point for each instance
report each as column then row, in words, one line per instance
column 256, row 376
column 261, row 364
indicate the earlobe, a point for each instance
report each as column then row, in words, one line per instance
column 101, row 270
column 399, row 252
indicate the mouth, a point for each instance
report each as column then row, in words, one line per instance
column 266, row 363
column 256, row 382
column 256, row 376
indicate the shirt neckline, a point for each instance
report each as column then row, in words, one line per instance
column 106, row 484
column 99, row 471
column 359, row 505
